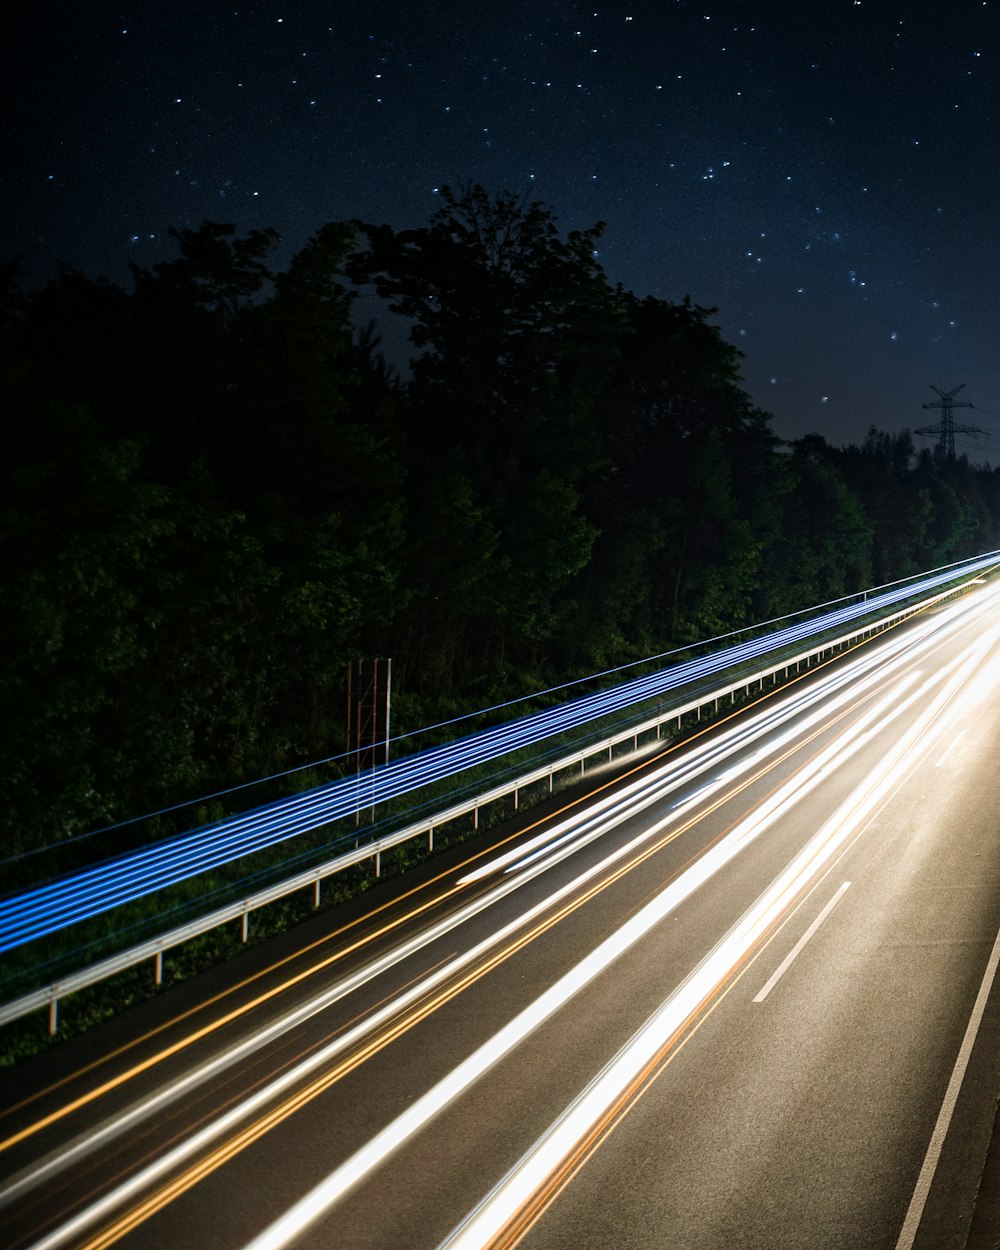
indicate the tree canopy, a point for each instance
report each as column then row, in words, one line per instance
column 216, row 492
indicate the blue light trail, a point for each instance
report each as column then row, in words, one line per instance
column 92, row 891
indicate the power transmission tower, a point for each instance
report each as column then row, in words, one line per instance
column 946, row 427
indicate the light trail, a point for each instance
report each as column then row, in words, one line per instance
column 390, row 1018
column 325, row 1195
column 415, row 997
column 90, row 892
column 889, row 658
column 521, row 1197
column 585, row 827
column 710, row 753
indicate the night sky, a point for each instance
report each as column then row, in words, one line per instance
column 824, row 172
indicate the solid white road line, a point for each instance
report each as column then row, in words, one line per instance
column 908, row 1232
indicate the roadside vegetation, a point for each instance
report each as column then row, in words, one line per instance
column 216, row 492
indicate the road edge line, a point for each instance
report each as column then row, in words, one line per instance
column 915, row 1211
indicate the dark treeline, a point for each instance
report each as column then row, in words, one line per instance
column 216, row 493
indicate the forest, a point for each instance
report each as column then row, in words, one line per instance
column 216, row 492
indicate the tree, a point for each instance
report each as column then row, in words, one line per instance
column 515, row 327
column 692, row 478
column 824, row 548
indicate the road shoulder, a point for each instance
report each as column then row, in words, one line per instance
column 963, row 1205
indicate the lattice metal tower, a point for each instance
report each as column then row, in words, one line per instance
column 946, row 427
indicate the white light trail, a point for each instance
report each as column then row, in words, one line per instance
column 329, row 1191
column 54, row 905
column 877, row 718
column 588, row 825
column 506, row 1200
column 653, row 786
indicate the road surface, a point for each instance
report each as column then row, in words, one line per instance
column 736, row 997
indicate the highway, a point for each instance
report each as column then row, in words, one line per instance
column 732, row 996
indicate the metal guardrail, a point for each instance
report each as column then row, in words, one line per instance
column 107, row 885
column 154, row 949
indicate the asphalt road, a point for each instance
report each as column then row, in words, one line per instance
column 737, row 997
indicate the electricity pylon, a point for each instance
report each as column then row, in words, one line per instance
column 946, row 427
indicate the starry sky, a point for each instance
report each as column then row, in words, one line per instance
column 823, row 172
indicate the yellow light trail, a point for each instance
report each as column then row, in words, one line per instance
column 277, row 1115
column 396, row 1028
column 518, row 1200
column 349, row 1173
column 118, row 1080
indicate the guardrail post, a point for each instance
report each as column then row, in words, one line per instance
column 246, row 926
column 515, row 798
column 316, row 892
column 378, row 863
column 550, row 781
column 53, row 1016
column 475, row 818
column 430, row 838
column 158, row 968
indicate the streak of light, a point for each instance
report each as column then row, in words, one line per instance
column 206, row 1030
column 417, row 997
column 259, row 1038
column 349, row 1173
column 900, row 651
column 817, row 770
column 92, row 891
column 651, row 787
column 646, row 790
column 521, row 1197
column 389, row 1017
